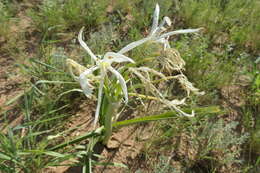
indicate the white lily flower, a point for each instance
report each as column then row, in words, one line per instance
column 156, row 33
column 85, row 81
column 104, row 64
column 157, row 29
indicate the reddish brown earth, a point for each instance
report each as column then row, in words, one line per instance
column 10, row 86
column 12, row 81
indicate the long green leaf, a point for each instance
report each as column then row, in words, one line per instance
column 67, row 92
column 44, row 64
column 37, row 133
column 54, row 154
column 39, row 152
column 53, row 82
column 40, row 121
column 14, row 99
column 4, row 156
column 97, row 132
column 167, row 115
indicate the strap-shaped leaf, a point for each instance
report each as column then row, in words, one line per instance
column 96, row 132
column 167, row 115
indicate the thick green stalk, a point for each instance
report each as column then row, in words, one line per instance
column 87, row 168
column 111, row 112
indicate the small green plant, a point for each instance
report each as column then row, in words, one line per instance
column 111, row 89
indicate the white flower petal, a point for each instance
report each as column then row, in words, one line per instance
column 121, row 81
column 84, row 81
column 167, row 20
column 182, row 31
column 155, row 18
column 165, row 42
column 116, row 57
column 161, row 28
column 176, row 102
column 84, row 45
column 183, row 113
column 100, row 92
column 133, row 45
column 86, row 87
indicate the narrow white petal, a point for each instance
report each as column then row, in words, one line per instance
column 121, row 81
column 86, row 87
column 183, row 113
column 161, row 40
column 155, row 18
column 182, row 31
column 100, row 92
column 165, row 43
column 84, row 81
column 167, row 20
column 84, row 45
column 161, row 28
column 116, row 57
column 133, row 45
column 177, row 102
column 89, row 71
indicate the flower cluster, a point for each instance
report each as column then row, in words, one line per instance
column 157, row 32
column 104, row 63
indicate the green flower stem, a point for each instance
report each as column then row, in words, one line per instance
column 111, row 112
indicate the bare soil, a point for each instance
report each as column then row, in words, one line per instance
column 10, row 86
column 12, row 81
